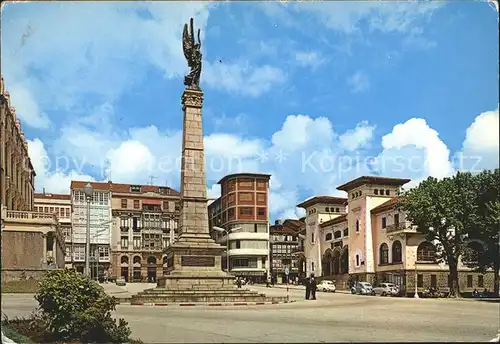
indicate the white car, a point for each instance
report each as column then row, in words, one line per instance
column 326, row 286
column 384, row 289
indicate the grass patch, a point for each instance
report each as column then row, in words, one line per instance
column 15, row 336
column 20, row 287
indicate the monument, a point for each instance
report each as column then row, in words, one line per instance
column 194, row 260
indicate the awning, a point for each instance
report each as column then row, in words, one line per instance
column 152, row 202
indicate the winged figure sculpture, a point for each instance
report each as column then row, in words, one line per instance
column 192, row 52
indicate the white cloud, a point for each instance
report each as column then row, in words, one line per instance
column 358, row 137
column 480, row 149
column 414, row 149
column 358, row 82
column 130, row 159
column 242, row 78
column 54, row 178
column 26, row 107
column 214, row 191
column 310, row 59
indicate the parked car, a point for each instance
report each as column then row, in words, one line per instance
column 326, row 286
column 384, row 289
column 363, row 288
column 120, row 281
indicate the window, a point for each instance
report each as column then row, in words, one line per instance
column 51, row 210
column 79, row 253
column 230, row 214
column 135, row 188
column 426, row 252
column 375, row 191
column 165, row 205
column 384, row 222
column 312, row 266
column 480, row 281
column 327, row 209
column 261, row 184
column 387, row 192
column 245, row 183
column 328, row 236
column 357, row 226
column 346, row 232
column 384, row 254
column 397, row 256
column 312, row 238
column 231, row 185
column 137, row 242
column 337, row 235
column 245, row 197
column 246, row 211
column 230, row 199
column 123, row 222
column 103, row 252
column 434, row 281
column 337, row 210
column 67, row 212
column 261, row 211
column 45, row 209
column 255, row 228
column 124, row 243
column 396, row 219
column 357, row 260
column 136, row 204
column 238, row 244
column 420, row 280
column 469, row 281
column 261, row 198
column 35, row 209
column 124, row 203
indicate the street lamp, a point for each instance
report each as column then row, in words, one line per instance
column 226, row 231
column 88, row 190
column 416, row 282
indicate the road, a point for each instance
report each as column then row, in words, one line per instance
column 332, row 317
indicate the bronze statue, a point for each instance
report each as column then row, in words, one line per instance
column 193, row 56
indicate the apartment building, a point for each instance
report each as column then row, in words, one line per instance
column 243, row 210
column 60, row 206
column 374, row 242
column 284, row 244
column 30, row 240
column 100, row 227
column 145, row 223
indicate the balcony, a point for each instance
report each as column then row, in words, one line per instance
column 30, row 217
column 400, row 228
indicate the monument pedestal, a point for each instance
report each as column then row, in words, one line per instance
column 194, row 260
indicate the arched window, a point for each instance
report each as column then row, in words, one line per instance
column 151, row 260
column 397, row 252
column 426, row 252
column 137, row 260
column 124, row 260
column 328, row 236
column 384, row 254
column 357, row 225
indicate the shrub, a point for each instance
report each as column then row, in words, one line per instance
column 77, row 308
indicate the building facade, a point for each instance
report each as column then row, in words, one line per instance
column 100, row 227
column 243, row 208
column 60, row 206
column 31, row 241
column 284, row 243
column 145, row 223
column 374, row 242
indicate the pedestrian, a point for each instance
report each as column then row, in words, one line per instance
column 268, row 282
column 297, row 280
column 238, row 282
column 105, row 276
column 312, row 286
column 308, row 288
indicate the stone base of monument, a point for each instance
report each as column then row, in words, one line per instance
column 195, row 276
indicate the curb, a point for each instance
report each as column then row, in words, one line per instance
column 208, row 304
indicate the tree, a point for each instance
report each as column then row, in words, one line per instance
column 486, row 228
column 443, row 211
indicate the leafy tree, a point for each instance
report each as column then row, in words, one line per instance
column 77, row 308
column 444, row 211
column 487, row 225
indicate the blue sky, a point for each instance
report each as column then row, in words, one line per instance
column 314, row 93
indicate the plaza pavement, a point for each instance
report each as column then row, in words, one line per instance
column 332, row 317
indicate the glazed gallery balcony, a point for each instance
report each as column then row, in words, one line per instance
column 400, row 228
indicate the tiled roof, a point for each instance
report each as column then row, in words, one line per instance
column 322, row 199
column 372, row 180
column 122, row 188
column 385, row 206
column 52, row 196
column 335, row 221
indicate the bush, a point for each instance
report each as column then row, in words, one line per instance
column 77, row 308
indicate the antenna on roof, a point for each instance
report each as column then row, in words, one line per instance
column 151, row 178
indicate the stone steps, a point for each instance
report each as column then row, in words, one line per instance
column 203, row 299
column 194, row 292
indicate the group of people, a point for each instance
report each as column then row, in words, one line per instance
column 311, row 287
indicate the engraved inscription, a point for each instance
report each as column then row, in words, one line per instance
column 197, row 261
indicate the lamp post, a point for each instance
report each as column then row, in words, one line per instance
column 226, row 231
column 416, row 282
column 88, row 190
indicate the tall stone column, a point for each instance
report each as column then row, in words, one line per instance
column 193, row 221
